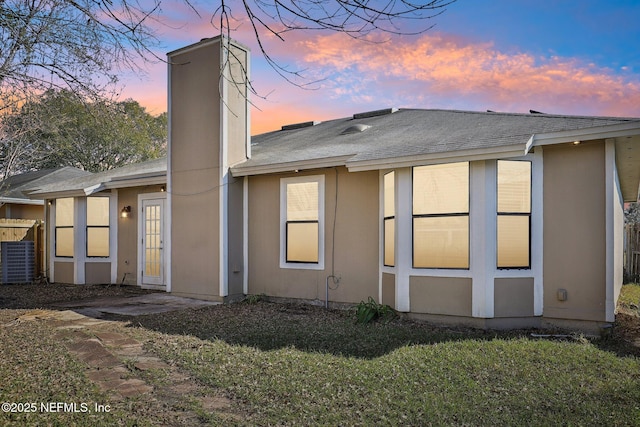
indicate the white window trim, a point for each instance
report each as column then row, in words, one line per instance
column 283, row 222
column 80, row 257
column 112, row 235
column 482, row 234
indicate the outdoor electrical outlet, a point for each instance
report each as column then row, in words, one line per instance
column 562, row 294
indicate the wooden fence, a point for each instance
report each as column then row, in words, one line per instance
column 16, row 230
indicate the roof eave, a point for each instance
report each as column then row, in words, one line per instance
column 19, row 201
column 147, row 179
column 516, row 150
column 326, row 162
column 630, row 128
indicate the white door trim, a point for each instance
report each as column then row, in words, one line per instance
column 141, row 234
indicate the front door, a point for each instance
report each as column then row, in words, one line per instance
column 152, row 249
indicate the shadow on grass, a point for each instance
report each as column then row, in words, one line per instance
column 271, row 326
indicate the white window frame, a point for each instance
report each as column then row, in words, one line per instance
column 54, row 229
column 283, row 222
column 467, row 214
column 97, row 258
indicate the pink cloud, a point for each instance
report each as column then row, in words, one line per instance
column 444, row 66
column 434, row 70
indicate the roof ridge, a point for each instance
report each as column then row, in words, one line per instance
column 530, row 114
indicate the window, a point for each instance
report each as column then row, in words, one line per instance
column 389, row 219
column 97, row 226
column 441, row 216
column 302, row 202
column 514, row 214
column 64, row 227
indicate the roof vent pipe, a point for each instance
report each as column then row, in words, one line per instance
column 300, row 125
column 374, row 113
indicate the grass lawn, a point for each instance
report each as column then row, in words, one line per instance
column 301, row 365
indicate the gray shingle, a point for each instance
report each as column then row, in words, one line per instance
column 158, row 166
column 410, row 132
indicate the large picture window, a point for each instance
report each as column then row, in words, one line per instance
column 441, row 216
column 97, row 226
column 389, row 219
column 514, row 214
column 302, row 226
column 64, row 227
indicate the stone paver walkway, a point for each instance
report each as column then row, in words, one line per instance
column 121, row 367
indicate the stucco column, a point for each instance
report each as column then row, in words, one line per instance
column 482, row 231
column 404, row 246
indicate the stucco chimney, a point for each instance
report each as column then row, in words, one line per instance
column 208, row 133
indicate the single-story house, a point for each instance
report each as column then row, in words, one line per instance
column 482, row 218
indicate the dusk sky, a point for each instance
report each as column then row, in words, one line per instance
column 578, row 57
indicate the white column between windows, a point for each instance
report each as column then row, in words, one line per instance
column 80, row 239
column 404, row 238
column 537, row 231
column 482, row 235
column 113, row 236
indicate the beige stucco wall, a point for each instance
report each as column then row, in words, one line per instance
column 513, row 297
column 97, row 273
column 207, row 136
column 389, row 289
column 195, row 109
column 63, row 272
column 440, row 295
column 574, row 231
column 236, row 238
column 195, row 171
column 238, row 112
column 356, row 234
column 195, row 235
column 128, row 233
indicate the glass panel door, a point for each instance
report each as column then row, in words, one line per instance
column 152, row 242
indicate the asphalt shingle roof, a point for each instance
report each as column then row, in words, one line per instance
column 18, row 185
column 80, row 183
column 410, row 132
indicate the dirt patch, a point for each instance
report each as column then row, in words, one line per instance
column 29, row 296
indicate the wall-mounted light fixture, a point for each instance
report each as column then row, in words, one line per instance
column 576, row 142
column 163, row 189
column 125, row 212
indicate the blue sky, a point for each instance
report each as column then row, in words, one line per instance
column 557, row 56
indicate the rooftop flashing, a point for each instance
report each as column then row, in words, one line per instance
column 357, row 128
column 300, row 125
column 374, row 113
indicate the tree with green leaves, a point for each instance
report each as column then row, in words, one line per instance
column 61, row 129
